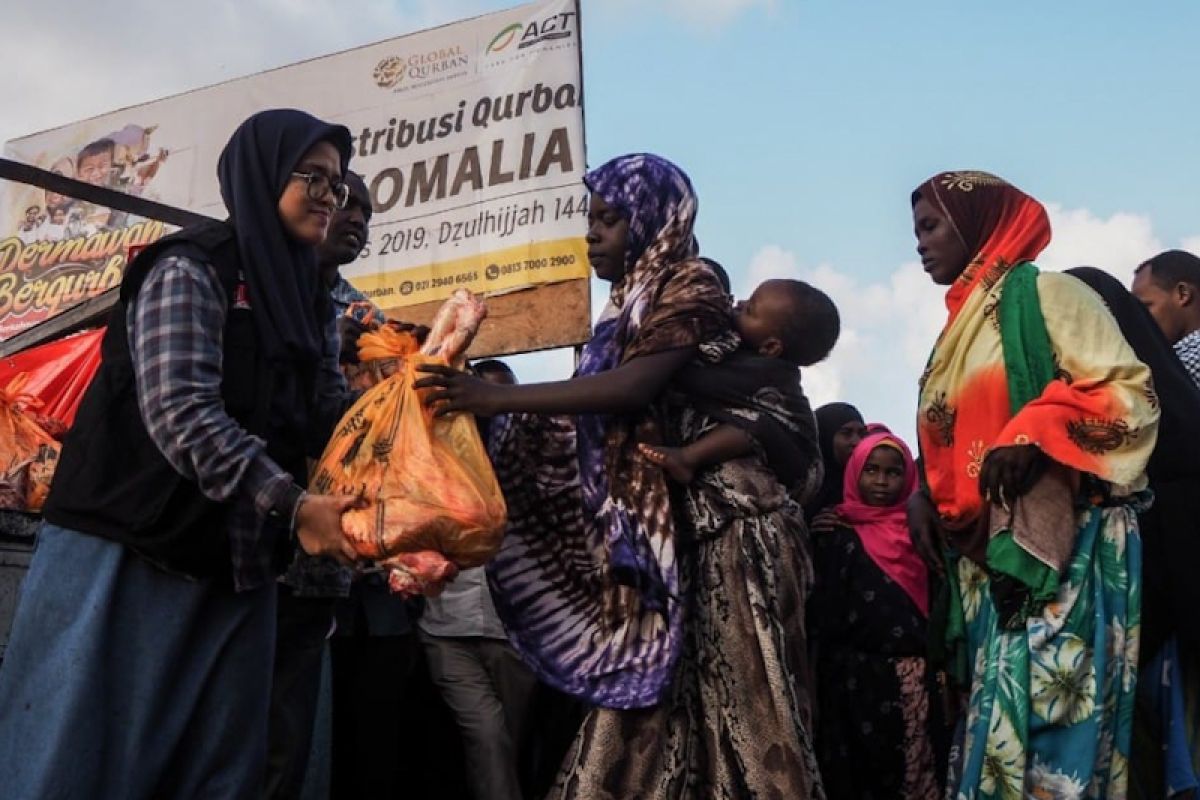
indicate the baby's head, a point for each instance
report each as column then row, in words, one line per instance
column 788, row 319
column 495, row 371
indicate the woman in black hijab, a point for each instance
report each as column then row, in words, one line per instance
column 1171, row 529
column 1170, row 548
column 839, row 430
column 140, row 659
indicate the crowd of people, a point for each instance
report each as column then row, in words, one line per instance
column 706, row 589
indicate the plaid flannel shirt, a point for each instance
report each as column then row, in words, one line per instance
column 1188, row 350
column 324, row 577
column 176, row 332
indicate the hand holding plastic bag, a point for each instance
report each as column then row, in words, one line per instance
column 432, row 503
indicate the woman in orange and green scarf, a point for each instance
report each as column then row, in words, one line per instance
column 1035, row 422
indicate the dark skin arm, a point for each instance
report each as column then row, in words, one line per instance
column 925, row 530
column 1010, row 472
column 1007, row 473
column 723, row 443
column 825, row 520
column 622, row 390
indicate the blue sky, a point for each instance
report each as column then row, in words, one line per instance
column 804, row 125
column 808, row 124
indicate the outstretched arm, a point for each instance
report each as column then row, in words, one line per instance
column 629, row 387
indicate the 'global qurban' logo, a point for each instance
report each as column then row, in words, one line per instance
column 389, row 72
column 421, row 68
column 555, row 26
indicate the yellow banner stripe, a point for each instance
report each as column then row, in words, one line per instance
column 487, row 273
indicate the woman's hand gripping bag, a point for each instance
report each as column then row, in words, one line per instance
column 28, row 453
column 432, row 505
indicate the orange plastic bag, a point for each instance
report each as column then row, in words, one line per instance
column 433, row 505
column 28, row 454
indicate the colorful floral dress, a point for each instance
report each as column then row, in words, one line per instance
column 1051, row 706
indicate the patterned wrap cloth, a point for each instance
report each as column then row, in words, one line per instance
column 1100, row 418
column 732, row 716
column 679, row 616
column 586, row 581
column 1051, row 689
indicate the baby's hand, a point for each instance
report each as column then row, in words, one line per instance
column 672, row 459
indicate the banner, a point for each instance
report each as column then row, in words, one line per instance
column 469, row 136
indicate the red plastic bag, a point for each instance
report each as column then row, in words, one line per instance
column 28, row 454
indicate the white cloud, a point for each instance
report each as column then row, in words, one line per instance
column 1116, row 244
column 1191, row 244
column 887, row 329
column 68, row 61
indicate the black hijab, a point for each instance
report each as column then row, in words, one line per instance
column 1175, row 454
column 1171, row 528
column 285, row 288
column 830, row 418
column 290, row 304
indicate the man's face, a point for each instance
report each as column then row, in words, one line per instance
column 1165, row 305
column 348, row 229
column 95, row 169
column 31, row 214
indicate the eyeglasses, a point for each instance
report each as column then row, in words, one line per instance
column 318, row 184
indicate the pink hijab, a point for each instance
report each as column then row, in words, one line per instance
column 884, row 530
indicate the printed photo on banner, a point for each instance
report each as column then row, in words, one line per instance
column 57, row 250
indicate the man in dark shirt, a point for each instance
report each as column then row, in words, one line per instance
column 311, row 587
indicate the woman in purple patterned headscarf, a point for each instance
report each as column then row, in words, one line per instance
column 680, row 617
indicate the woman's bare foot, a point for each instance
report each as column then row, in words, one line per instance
column 672, row 460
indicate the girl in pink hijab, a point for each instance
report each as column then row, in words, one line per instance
column 868, row 617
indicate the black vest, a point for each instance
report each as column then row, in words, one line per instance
column 112, row 481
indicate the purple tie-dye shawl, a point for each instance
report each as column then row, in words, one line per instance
column 586, row 580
